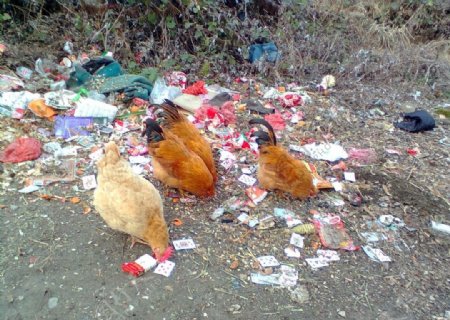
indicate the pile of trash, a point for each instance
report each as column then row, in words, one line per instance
column 90, row 100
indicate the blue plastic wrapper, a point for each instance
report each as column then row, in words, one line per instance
column 67, row 127
column 257, row 51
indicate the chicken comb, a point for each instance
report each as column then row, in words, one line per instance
column 167, row 254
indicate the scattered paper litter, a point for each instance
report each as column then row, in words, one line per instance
column 89, row 182
column 96, row 155
column 256, row 194
column 371, row 236
column 325, row 151
column 139, row 160
column 317, row 263
column 328, row 255
column 165, row 268
column 268, row 261
column 376, row 254
column 349, row 176
column 29, row 189
column 337, row 186
column 292, row 252
column 287, row 277
column 246, row 179
column 297, row 240
column 184, row 244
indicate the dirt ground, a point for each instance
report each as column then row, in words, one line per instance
column 59, row 263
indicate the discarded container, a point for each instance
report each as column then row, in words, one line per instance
column 376, row 254
column 140, row 266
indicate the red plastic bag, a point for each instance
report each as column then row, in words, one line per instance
column 22, row 149
column 196, row 89
column 276, row 121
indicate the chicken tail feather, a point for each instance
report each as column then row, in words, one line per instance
column 171, row 113
column 262, row 136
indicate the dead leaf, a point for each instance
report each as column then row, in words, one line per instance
column 234, row 265
column 47, row 197
column 177, row 222
column 386, row 190
column 86, row 209
column 75, row 200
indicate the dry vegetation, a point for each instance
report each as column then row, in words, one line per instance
column 372, row 40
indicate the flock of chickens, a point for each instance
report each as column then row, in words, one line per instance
column 182, row 159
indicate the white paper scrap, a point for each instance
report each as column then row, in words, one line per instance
column 147, row 262
column 268, row 261
column 165, row 268
column 89, row 182
column 349, row 176
column 184, row 244
column 246, row 179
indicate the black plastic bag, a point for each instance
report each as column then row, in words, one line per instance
column 417, row 121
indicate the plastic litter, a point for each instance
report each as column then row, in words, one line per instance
column 161, row 91
column 445, row 228
column 24, row 72
column 14, row 104
column 417, row 121
column 364, row 156
column 8, row 82
column 39, row 108
column 276, row 121
column 375, row 254
column 196, row 89
column 332, row 233
column 86, row 107
column 177, row 79
column 290, row 99
column 268, row 51
column 22, row 149
column 324, row 151
column 306, row 228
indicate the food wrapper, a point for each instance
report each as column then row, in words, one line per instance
column 333, row 234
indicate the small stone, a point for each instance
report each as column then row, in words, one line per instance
column 300, row 295
column 341, row 313
column 52, row 302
